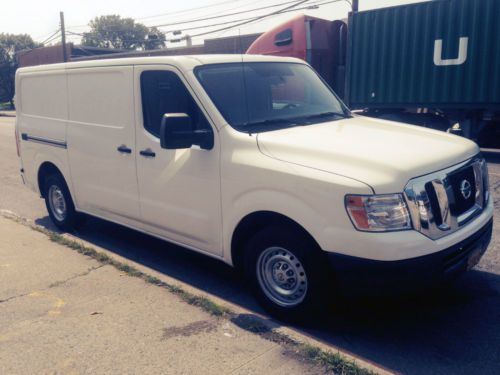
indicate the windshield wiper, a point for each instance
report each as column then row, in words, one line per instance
column 271, row 121
column 281, row 123
column 269, row 124
column 326, row 115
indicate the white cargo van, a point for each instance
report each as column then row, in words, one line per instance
column 253, row 160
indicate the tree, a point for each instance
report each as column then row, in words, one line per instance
column 10, row 44
column 112, row 31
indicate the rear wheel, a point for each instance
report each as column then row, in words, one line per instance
column 59, row 203
column 285, row 273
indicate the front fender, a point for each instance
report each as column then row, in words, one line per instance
column 316, row 205
column 253, row 182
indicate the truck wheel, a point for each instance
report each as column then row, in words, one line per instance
column 284, row 272
column 59, row 203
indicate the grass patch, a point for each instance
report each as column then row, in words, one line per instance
column 129, row 270
column 153, row 280
column 332, row 362
column 206, row 304
column 201, row 301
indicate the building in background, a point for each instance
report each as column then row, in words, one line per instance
column 54, row 54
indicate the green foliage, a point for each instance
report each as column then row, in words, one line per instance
column 10, row 44
column 112, row 31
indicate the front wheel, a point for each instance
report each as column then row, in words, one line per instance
column 59, row 203
column 285, row 273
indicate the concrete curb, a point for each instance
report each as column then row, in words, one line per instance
column 8, row 114
column 292, row 333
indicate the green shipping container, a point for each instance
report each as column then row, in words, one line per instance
column 436, row 54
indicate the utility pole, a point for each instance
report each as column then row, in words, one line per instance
column 63, row 37
column 355, row 5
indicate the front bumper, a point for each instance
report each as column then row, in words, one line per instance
column 355, row 275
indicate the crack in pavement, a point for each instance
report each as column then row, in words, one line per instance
column 54, row 284
column 13, row 297
column 253, row 359
column 62, row 282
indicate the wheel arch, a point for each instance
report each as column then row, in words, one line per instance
column 254, row 222
column 47, row 168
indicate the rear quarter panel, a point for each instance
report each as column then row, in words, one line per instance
column 42, row 111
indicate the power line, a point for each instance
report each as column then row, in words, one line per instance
column 258, row 18
column 231, row 14
column 189, row 10
column 185, row 29
column 205, row 18
column 173, row 13
column 211, row 25
column 239, row 22
column 283, row 10
column 48, row 40
column 44, row 36
column 236, row 5
column 239, row 6
column 51, row 37
column 96, row 37
column 249, row 18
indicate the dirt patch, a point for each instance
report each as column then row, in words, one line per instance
column 195, row 328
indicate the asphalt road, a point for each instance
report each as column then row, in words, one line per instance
column 450, row 331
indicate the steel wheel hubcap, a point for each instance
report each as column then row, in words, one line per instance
column 281, row 276
column 57, row 202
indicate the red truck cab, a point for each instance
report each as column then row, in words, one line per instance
column 321, row 43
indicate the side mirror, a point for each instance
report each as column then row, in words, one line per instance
column 177, row 132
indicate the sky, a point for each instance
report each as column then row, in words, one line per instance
column 40, row 18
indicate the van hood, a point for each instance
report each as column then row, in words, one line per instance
column 382, row 154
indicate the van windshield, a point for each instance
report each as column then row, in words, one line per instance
column 262, row 96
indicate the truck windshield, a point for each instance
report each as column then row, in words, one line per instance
column 262, row 96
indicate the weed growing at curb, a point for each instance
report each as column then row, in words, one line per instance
column 332, row 362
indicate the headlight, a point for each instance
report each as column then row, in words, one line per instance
column 378, row 213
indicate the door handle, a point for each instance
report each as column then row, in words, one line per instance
column 147, row 153
column 124, row 149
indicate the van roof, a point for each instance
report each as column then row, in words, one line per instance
column 182, row 62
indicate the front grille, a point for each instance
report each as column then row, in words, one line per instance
column 440, row 203
column 462, row 202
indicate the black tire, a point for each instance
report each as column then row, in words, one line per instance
column 67, row 220
column 265, row 246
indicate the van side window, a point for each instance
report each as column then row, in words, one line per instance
column 163, row 92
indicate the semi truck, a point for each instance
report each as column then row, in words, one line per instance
column 433, row 63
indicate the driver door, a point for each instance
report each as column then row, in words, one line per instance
column 179, row 190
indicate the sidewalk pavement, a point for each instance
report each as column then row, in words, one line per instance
column 62, row 312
